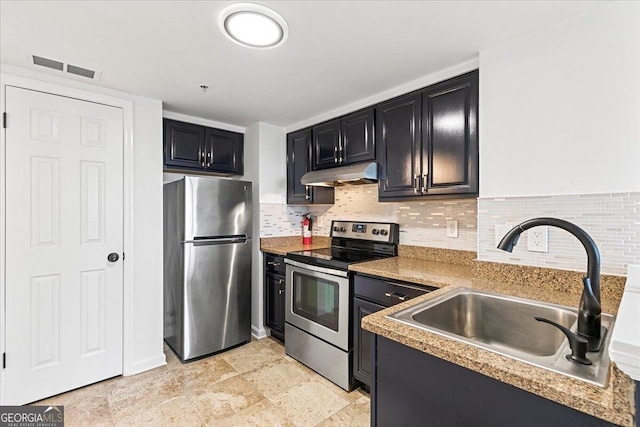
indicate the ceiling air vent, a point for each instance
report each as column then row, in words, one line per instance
column 80, row 71
column 60, row 66
column 49, row 63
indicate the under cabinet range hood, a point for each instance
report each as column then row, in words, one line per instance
column 361, row 173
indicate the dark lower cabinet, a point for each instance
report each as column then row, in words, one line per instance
column 274, row 294
column 299, row 163
column 371, row 294
column 363, row 341
column 193, row 148
column 414, row 388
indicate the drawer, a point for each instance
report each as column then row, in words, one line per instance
column 386, row 292
column 274, row 263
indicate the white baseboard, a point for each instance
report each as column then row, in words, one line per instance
column 259, row 333
column 146, row 365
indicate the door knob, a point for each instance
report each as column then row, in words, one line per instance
column 113, row 257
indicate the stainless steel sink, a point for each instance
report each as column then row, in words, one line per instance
column 506, row 325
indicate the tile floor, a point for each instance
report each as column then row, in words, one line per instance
column 253, row 385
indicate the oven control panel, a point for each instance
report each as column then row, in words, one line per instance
column 375, row 231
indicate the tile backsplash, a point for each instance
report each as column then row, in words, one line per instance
column 612, row 220
column 422, row 223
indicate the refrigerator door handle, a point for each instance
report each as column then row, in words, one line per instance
column 203, row 241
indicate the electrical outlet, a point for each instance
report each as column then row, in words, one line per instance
column 320, row 221
column 501, row 230
column 538, row 239
column 452, row 228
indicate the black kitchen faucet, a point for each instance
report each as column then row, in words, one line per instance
column 590, row 333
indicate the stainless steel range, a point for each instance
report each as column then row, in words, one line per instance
column 319, row 291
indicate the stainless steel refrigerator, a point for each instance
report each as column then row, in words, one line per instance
column 207, row 265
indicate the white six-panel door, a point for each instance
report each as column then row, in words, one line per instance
column 64, row 196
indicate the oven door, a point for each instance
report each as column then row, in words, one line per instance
column 318, row 302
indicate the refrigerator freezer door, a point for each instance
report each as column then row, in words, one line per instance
column 216, row 207
column 217, row 297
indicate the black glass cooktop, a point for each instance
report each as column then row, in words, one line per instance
column 334, row 257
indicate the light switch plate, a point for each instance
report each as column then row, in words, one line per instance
column 538, row 239
column 452, row 228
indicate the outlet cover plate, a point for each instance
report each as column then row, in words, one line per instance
column 452, row 228
column 538, row 239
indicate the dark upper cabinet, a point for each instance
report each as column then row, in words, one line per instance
column 326, row 145
column 428, row 141
column 225, row 151
column 358, row 137
column 450, row 136
column 183, row 144
column 299, row 163
column 398, row 132
column 195, row 148
column 344, row 141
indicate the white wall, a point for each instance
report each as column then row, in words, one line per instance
column 273, row 164
column 146, row 348
column 560, row 108
column 251, row 173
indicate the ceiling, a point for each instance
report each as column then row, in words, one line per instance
column 338, row 52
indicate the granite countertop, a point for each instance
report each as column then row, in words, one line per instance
column 284, row 245
column 614, row 403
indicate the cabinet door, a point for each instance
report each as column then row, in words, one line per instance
column 358, row 139
column 398, row 134
column 326, row 145
column 298, row 162
column 184, row 145
column 450, row 132
column 274, row 301
column 362, row 341
column 225, row 151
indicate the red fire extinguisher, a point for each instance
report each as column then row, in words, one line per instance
column 306, row 229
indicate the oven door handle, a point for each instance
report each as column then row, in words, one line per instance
column 317, row 269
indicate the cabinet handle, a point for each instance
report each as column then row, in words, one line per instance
column 272, row 263
column 202, row 158
column 424, row 183
column 280, row 291
column 400, row 297
column 416, row 186
column 209, row 157
column 340, row 160
column 307, row 193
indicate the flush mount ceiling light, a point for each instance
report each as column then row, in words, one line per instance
column 253, row 25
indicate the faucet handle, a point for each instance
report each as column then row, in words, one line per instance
column 579, row 345
column 591, row 303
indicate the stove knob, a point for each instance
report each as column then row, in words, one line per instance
column 375, row 232
column 335, row 229
column 383, row 232
column 342, row 229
